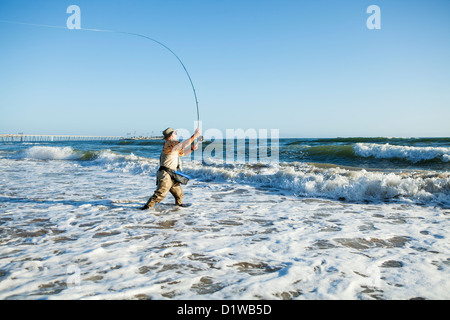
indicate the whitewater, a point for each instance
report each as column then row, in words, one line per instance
column 351, row 228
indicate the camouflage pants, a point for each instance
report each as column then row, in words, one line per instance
column 166, row 185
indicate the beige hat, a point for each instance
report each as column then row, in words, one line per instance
column 168, row 132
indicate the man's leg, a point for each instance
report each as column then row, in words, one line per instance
column 165, row 183
column 178, row 193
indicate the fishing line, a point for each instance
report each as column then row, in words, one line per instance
column 127, row 33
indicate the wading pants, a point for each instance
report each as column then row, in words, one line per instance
column 165, row 184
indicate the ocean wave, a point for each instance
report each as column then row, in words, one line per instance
column 408, row 153
column 127, row 163
column 339, row 140
column 68, row 153
column 342, row 151
column 328, row 181
column 60, row 153
column 297, row 178
column 351, row 140
column 50, row 153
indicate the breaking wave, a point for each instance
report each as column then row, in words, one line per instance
column 408, row 154
column 298, row 178
column 328, row 181
column 411, row 154
column 50, row 153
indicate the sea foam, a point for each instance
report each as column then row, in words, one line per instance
column 71, row 230
column 311, row 180
column 412, row 154
column 298, row 178
column 50, row 153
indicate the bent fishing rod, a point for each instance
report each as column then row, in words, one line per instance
column 126, row 33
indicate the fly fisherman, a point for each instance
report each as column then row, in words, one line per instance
column 170, row 161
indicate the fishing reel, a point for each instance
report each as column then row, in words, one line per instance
column 200, row 139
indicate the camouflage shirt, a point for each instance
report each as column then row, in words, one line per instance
column 169, row 145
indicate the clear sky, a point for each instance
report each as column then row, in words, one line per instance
column 308, row 68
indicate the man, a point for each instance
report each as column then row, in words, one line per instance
column 170, row 158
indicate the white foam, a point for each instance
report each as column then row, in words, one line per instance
column 412, row 154
column 51, row 153
column 335, row 183
column 72, row 231
column 296, row 178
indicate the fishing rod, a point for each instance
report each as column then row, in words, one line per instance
column 132, row 34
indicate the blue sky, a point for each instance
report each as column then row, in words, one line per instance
column 307, row 68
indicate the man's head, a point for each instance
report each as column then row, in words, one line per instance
column 168, row 133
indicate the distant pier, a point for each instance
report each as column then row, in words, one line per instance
column 49, row 138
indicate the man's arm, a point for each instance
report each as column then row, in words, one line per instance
column 189, row 150
column 183, row 145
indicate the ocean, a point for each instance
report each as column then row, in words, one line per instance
column 338, row 218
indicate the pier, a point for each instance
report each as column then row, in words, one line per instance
column 50, row 138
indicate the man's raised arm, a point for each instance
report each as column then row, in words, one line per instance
column 187, row 142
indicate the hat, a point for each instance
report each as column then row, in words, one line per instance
column 167, row 132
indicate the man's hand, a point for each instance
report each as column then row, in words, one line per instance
column 197, row 133
column 187, row 142
column 194, row 147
